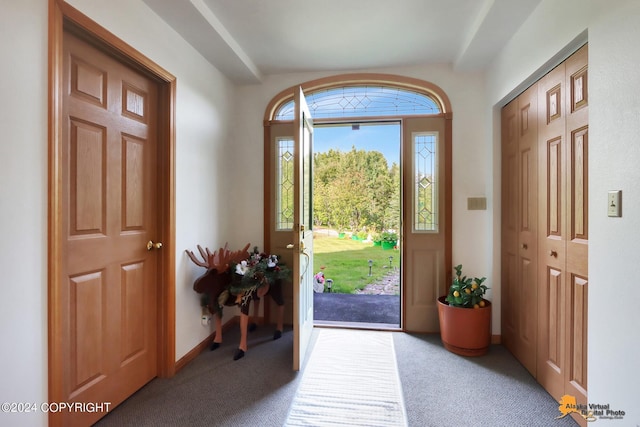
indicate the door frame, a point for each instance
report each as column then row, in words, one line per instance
column 392, row 80
column 63, row 16
column 364, row 121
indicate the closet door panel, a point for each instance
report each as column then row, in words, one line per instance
column 545, row 230
column 552, row 227
column 509, row 231
column 577, row 236
column 526, row 289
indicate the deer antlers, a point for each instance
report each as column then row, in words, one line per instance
column 220, row 259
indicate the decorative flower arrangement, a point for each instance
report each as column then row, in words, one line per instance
column 466, row 292
column 258, row 270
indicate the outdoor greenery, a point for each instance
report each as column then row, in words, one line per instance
column 389, row 236
column 356, row 191
column 346, row 262
column 465, row 291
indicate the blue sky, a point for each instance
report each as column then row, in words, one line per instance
column 384, row 138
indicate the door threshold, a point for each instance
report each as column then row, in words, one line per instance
column 357, row 325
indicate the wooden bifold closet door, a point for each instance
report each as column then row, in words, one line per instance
column 544, row 322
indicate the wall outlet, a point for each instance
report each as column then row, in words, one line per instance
column 205, row 318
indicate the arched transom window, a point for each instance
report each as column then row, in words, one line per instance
column 363, row 101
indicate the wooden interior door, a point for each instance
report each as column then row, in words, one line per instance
column 109, row 293
column 302, row 231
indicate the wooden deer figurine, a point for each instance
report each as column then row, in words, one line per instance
column 216, row 281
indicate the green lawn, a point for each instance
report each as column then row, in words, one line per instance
column 346, row 261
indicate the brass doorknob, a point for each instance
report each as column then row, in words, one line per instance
column 151, row 245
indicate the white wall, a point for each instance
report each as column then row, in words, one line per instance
column 23, row 217
column 204, row 103
column 614, row 154
column 614, row 109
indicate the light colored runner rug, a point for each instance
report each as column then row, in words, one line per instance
column 351, row 379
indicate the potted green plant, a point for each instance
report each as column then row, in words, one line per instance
column 465, row 316
column 389, row 239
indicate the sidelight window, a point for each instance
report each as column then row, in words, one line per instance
column 425, row 189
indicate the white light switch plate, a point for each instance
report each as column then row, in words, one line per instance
column 614, row 202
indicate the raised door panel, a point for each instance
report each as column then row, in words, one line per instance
column 575, row 374
column 428, row 274
column 577, row 299
column 551, row 332
column 508, row 298
column 87, row 174
column 132, row 302
column 88, row 312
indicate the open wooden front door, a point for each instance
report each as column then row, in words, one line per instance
column 109, row 285
column 302, row 232
column 426, row 220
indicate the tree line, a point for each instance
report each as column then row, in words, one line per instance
column 356, row 191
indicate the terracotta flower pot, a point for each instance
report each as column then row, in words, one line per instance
column 465, row 331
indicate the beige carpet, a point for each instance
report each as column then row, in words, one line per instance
column 351, row 379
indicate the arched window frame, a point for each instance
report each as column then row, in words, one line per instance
column 385, row 80
column 390, row 80
column 363, row 100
